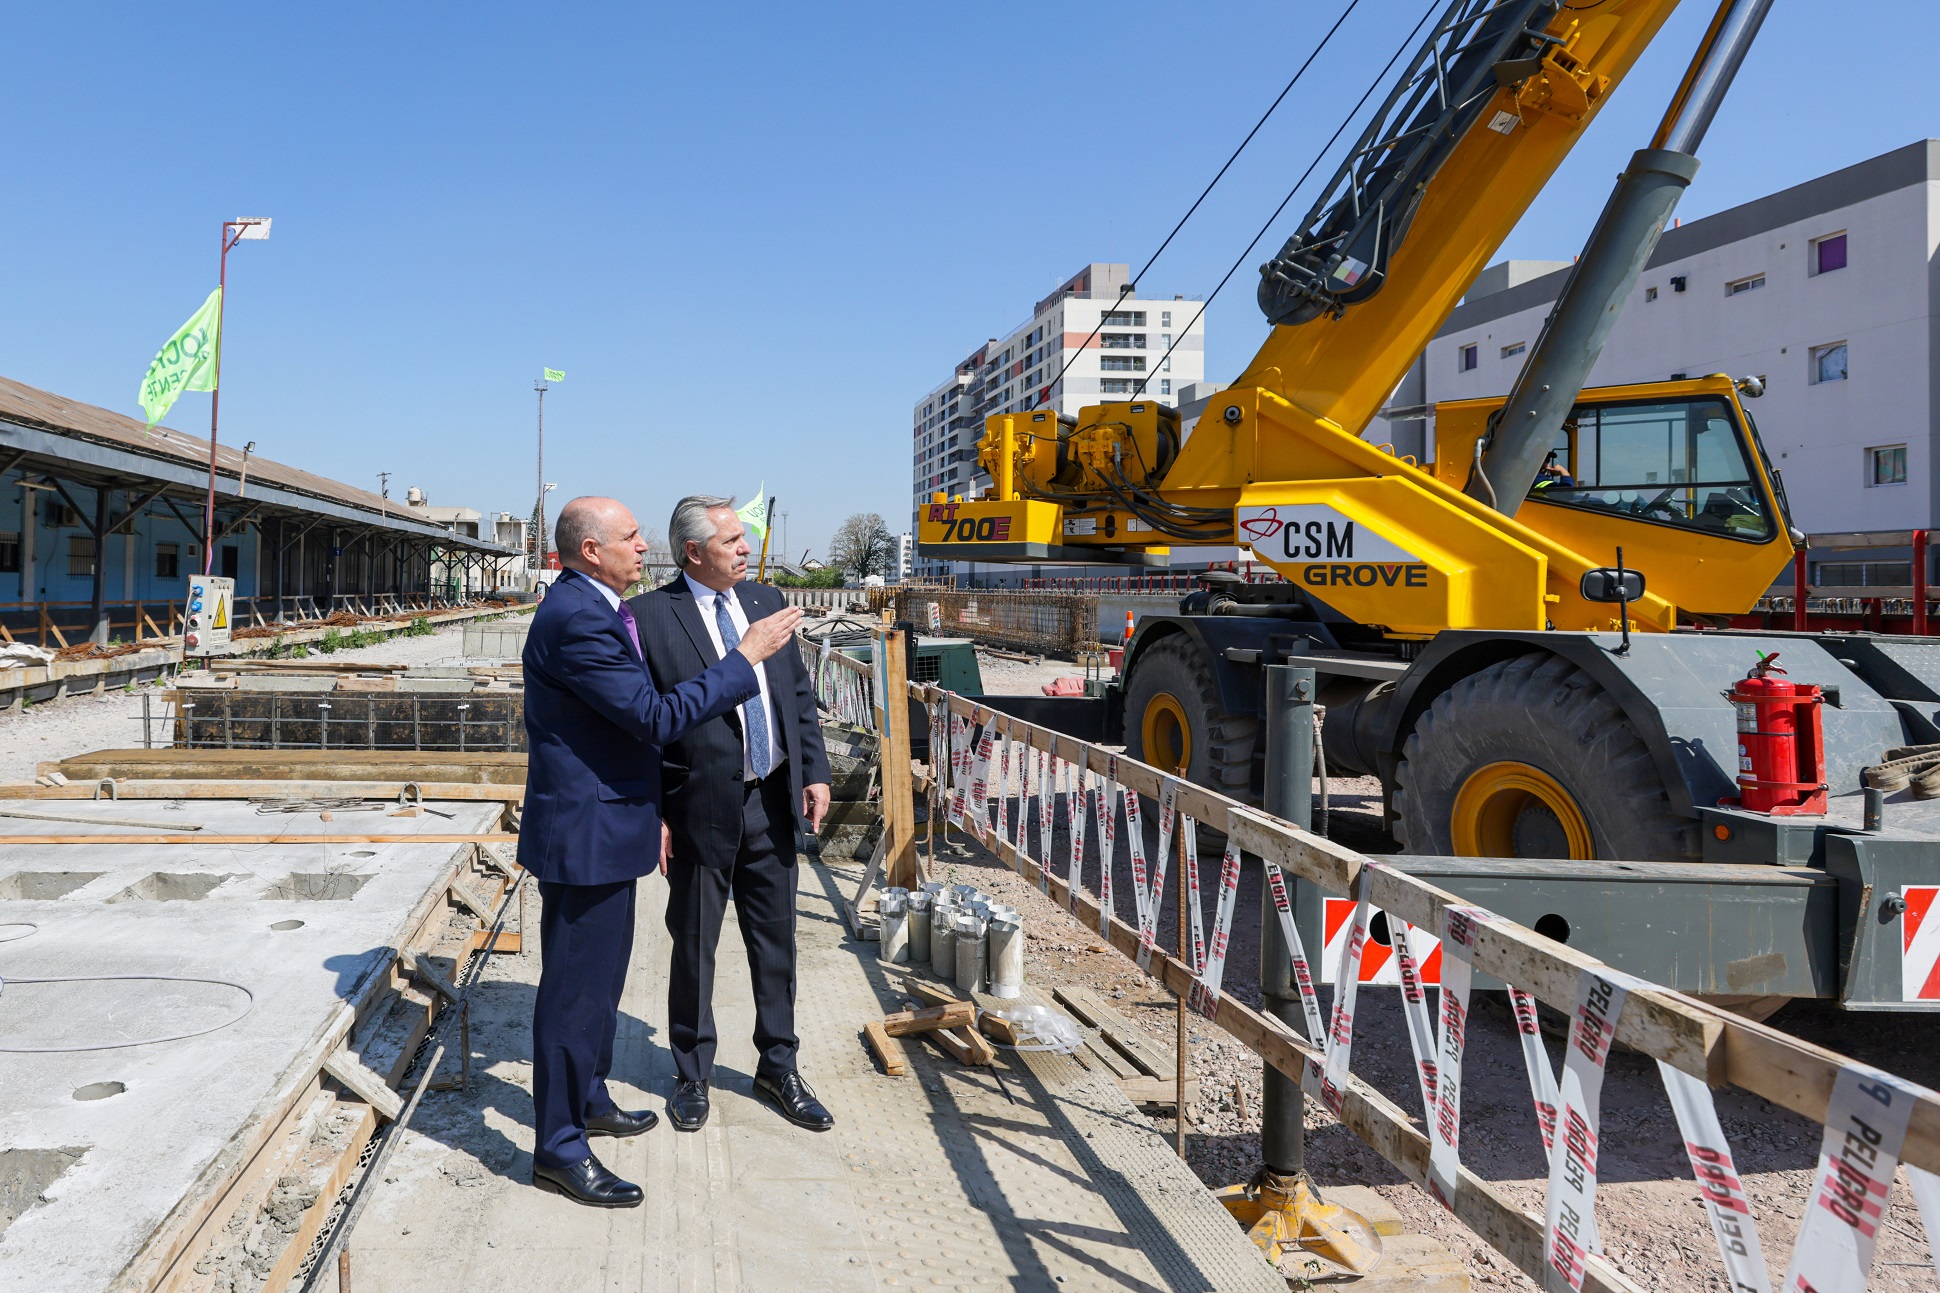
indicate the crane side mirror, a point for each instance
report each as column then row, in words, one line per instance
column 1608, row 584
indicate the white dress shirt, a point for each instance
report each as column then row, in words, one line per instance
column 705, row 599
column 612, row 598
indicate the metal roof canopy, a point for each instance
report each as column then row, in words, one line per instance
column 44, row 431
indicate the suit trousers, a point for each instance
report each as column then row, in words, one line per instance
column 586, row 943
column 761, row 880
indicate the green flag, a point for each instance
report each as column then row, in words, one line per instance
column 554, row 375
column 754, row 514
column 187, row 363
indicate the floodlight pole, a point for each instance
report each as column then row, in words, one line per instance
column 229, row 239
column 539, row 539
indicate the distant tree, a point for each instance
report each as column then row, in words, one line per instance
column 826, row 577
column 863, row 546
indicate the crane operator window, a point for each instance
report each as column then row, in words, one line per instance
column 1675, row 462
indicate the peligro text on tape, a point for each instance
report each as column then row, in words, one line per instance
column 1340, row 1031
column 1168, row 822
column 1414, row 1006
column 1725, row 1200
column 1542, row 1078
column 1003, row 788
column 1569, row 1221
column 1189, row 838
column 1135, row 845
column 1204, row 996
column 1278, row 886
column 1107, row 806
column 1047, row 807
column 1459, row 925
column 1074, row 821
column 1865, row 1125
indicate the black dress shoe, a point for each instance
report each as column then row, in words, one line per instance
column 687, row 1107
column 622, row 1122
column 589, row 1183
column 797, row 1103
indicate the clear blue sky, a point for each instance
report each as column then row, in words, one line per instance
column 751, row 235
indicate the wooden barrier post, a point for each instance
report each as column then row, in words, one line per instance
column 898, row 800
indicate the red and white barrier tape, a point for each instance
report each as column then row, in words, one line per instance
column 1194, row 904
column 1725, row 1200
column 1106, row 807
column 1148, row 928
column 1204, row 996
column 1542, row 1078
column 1135, row 845
column 1865, row 1126
column 1303, row 977
column 1074, row 820
column 1414, row 1005
column 1569, row 1221
column 1445, row 1128
column 1047, row 807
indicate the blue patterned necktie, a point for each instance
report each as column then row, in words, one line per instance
column 754, row 716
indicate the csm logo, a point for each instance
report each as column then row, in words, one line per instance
column 1315, row 532
column 1318, row 540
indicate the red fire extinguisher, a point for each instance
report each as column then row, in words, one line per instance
column 1781, row 743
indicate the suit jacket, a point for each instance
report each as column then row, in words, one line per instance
column 703, row 768
column 595, row 726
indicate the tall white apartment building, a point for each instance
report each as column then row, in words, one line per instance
column 1118, row 346
column 1829, row 290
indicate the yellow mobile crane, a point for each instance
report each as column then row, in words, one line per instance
column 1470, row 617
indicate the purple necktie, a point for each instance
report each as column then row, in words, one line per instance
column 632, row 628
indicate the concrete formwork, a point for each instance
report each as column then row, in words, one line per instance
column 101, row 1150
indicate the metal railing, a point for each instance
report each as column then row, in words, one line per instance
column 846, row 688
column 1017, row 787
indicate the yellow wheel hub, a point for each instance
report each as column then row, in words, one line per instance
column 1166, row 733
column 1493, row 798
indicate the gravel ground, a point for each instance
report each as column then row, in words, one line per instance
column 1654, row 1227
column 79, row 724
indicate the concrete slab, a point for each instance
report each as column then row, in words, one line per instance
column 286, row 931
column 937, row 1179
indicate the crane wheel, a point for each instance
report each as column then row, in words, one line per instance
column 1173, row 720
column 1531, row 758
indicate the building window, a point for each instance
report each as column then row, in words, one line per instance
column 1123, row 319
column 1122, row 363
column 1829, row 363
column 1829, row 254
column 1165, row 318
column 232, row 558
column 80, row 554
column 1886, row 465
column 1465, row 359
column 10, row 553
column 1116, row 386
column 1650, row 294
column 1122, row 340
column 1165, row 388
column 1740, row 286
column 1513, row 349
column 168, row 562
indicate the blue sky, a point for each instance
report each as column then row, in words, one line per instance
column 751, row 235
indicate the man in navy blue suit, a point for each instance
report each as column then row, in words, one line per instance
column 591, row 826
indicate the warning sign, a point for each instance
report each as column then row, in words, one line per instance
column 1920, row 944
column 1378, row 961
column 222, row 612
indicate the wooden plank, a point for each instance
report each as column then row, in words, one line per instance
column 954, row 1015
column 981, row 1052
column 291, row 837
column 898, row 801
column 364, row 1084
column 952, row 1045
column 1157, row 1093
column 509, row 941
column 888, row 1051
column 1086, row 1007
column 142, row 823
column 145, row 788
column 495, row 767
column 478, row 907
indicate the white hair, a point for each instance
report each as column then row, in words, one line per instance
column 691, row 523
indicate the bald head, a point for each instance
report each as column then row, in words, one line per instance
column 599, row 538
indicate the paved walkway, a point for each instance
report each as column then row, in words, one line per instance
column 932, row 1180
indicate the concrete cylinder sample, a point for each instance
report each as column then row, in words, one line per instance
column 1006, row 956
column 919, row 928
column 970, row 951
column 943, row 943
column 893, row 914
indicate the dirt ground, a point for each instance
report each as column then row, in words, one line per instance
column 1653, row 1225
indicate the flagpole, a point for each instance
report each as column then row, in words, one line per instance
column 539, row 541
column 215, row 403
column 767, row 528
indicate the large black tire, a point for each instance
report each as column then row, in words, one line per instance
column 1543, row 712
column 1219, row 743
